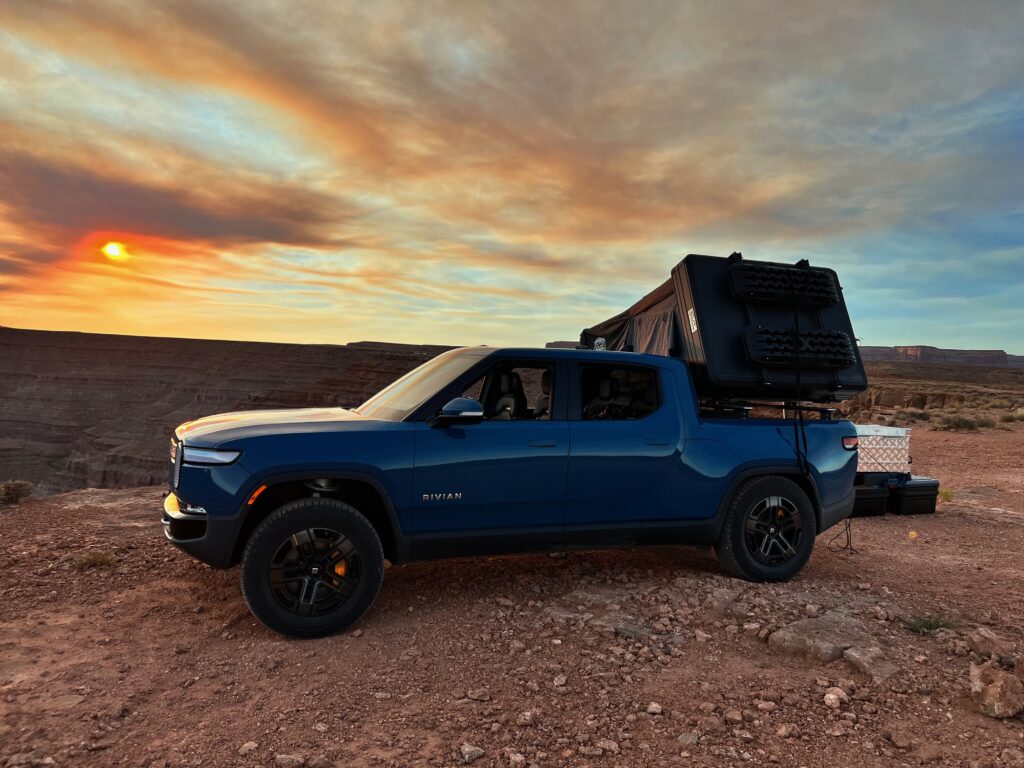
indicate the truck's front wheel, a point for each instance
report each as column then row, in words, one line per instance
column 312, row 567
column 769, row 530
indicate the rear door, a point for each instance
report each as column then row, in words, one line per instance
column 625, row 456
column 499, row 485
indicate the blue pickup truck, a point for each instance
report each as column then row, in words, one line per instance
column 484, row 451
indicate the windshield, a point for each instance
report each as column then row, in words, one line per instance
column 396, row 401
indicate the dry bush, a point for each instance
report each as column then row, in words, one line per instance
column 913, row 414
column 13, row 491
column 94, row 559
column 925, row 625
column 955, row 422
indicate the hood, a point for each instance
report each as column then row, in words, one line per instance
column 212, row 430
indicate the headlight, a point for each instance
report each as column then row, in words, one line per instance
column 209, row 456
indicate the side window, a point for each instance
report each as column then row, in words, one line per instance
column 617, row 393
column 514, row 392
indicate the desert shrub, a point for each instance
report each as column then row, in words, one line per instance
column 913, row 414
column 94, row 559
column 13, row 491
column 955, row 422
column 945, row 495
column 984, row 422
column 925, row 625
column 1007, row 418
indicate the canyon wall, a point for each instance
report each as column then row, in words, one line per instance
column 995, row 358
column 89, row 410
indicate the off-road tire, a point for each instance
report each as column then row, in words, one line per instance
column 277, row 527
column 733, row 549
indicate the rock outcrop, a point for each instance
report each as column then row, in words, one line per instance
column 997, row 692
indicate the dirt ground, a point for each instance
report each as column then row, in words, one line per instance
column 637, row 657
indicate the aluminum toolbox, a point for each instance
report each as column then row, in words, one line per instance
column 765, row 330
column 883, row 450
column 917, row 496
column 870, row 500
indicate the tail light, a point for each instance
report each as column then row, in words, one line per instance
column 851, row 443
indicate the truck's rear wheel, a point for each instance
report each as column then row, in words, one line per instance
column 312, row 567
column 769, row 530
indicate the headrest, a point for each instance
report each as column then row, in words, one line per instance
column 510, row 382
column 545, row 381
column 606, row 389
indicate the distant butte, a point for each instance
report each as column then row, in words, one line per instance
column 992, row 358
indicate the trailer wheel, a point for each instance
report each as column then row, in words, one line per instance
column 312, row 567
column 769, row 530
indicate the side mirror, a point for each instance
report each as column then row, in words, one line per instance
column 461, row 410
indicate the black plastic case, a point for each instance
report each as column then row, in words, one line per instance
column 915, row 497
column 740, row 321
column 870, row 501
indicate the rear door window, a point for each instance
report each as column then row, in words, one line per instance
column 618, row 392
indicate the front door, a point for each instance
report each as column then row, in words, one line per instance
column 499, row 485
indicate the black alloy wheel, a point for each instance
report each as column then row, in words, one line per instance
column 312, row 567
column 768, row 531
column 772, row 530
column 314, row 571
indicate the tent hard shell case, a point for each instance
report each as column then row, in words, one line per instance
column 749, row 330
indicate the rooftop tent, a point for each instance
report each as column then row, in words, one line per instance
column 749, row 330
column 651, row 325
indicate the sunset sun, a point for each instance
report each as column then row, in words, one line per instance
column 115, row 251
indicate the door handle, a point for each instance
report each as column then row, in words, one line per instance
column 542, row 443
column 655, row 441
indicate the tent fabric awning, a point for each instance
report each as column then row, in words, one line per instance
column 647, row 326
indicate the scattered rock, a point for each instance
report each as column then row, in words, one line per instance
column 654, row 708
column 248, row 748
column 608, row 746
column 835, row 698
column 33, row 759
column 478, row 694
column 997, row 693
column 560, row 680
column 470, row 752
column 320, row 761
column 898, row 739
column 517, row 760
column 930, row 753
column 733, row 716
column 788, row 731
column 689, row 738
column 984, row 642
column 289, row 761
column 870, row 660
column 824, row 638
column 529, row 717
column 1012, row 756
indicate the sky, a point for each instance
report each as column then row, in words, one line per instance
column 503, row 173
